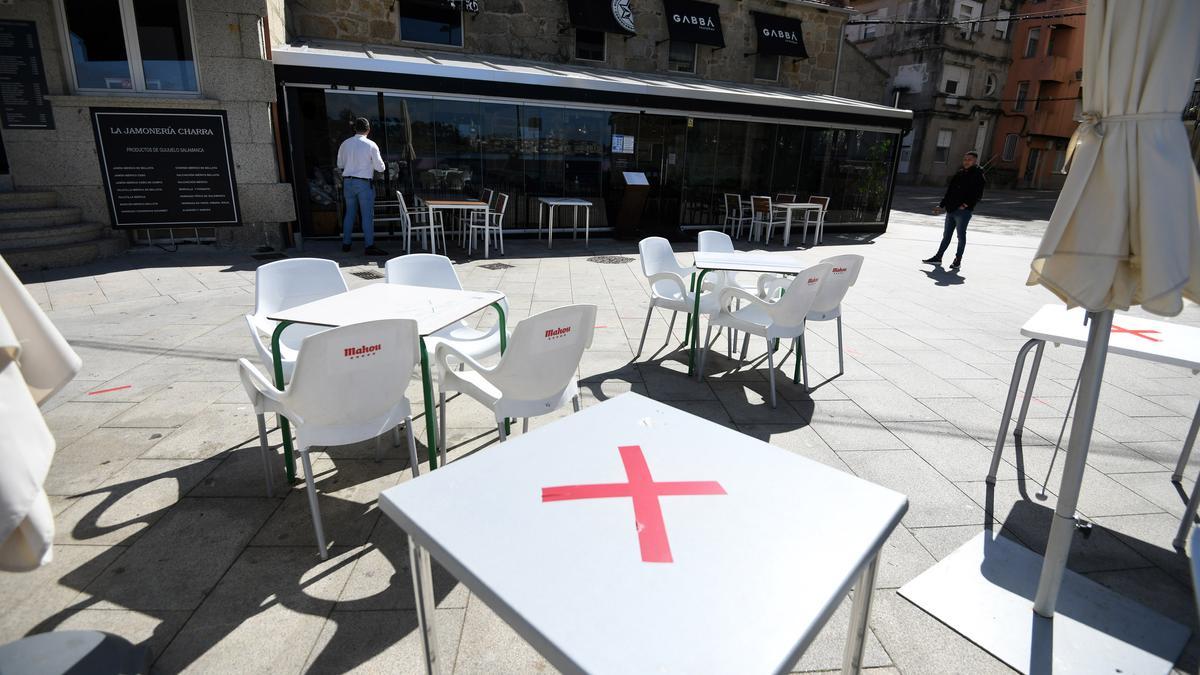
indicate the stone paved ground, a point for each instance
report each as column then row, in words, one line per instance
column 166, row 537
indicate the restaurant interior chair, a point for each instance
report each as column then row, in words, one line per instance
column 735, row 214
column 828, row 305
column 419, row 220
column 820, row 215
column 538, row 374
column 492, row 224
column 772, row 319
column 281, row 285
column 349, row 386
column 488, row 196
column 670, row 285
column 764, row 218
column 436, row 271
column 785, row 198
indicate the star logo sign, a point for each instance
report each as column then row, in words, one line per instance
column 622, row 13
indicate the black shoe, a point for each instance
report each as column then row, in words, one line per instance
column 375, row 250
column 956, row 264
column 345, row 248
column 932, row 261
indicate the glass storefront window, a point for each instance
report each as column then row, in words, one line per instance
column 681, row 58
column 431, row 21
column 103, row 33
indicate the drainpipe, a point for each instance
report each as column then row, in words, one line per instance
column 837, row 67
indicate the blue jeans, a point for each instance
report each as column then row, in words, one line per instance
column 360, row 199
column 955, row 220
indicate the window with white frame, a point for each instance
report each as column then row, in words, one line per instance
column 855, row 33
column 130, row 45
column 1022, row 96
column 989, row 84
column 874, row 30
column 954, row 82
column 1002, row 21
column 1032, row 40
column 681, row 57
column 968, row 11
column 941, row 152
column 1010, row 148
column 1060, row 160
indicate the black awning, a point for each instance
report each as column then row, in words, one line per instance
column 779, row 35
column 608, row 16
column 693, row 21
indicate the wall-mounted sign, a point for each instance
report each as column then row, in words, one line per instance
column 608, row 16
column 23, row 103
column 692, row 21
column 779, row 35
column 622, row 145
column 167, row 168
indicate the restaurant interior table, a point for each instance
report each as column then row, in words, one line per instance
column 451, row 205
column 432, row 308
column 792, row 208
column 782, row 262
column 551, row 202
column 624, row 538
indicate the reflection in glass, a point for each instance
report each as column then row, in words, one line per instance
column 164, row 40
column 98, row 44
column 432, row 21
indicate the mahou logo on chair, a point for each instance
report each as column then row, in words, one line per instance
column 555, row 333
column 360, row 352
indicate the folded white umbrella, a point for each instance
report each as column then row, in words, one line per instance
column 1126, row 228
column 35, row 362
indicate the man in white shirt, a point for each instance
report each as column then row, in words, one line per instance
column 358, row 159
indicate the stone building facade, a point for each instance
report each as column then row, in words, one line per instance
column 951, row 75
column 59, row 213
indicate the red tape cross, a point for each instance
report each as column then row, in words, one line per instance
column 647, row 510
column 1141, row 332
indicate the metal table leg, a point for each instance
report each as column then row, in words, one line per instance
column 587, row 225
column 550, row 227
column 285, row 428
column 1008, row 407
column 860, row 612
column 422, row 576
column 1187, row 447
column 427, row 394
column 695, row 323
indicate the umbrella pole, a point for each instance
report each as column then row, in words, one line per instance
column 1062, row 528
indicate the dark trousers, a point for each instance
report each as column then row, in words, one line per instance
column 955, row 220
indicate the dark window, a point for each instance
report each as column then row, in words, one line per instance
column 105, row 33
column 436, row 23
column 682, row 57
column 1032, row 42
column 589, row 44
column 98, row 44
column 1010, row 148
column 1022, row 94
column 165, row 42
column 766, row 67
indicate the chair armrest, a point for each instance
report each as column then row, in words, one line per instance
column 671, row 277
column 769, row 283
column 731, row 292
column 445, row 350
column 263, row 395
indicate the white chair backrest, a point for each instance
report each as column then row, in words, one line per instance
column 761, row 205
column 785, row 198
column 544, row 351
column 823, row 201
column 488, row 195
column 797, row 300
column 286, row 283
column 733, row 204
column 422, row 269
column 657, row 257
column 353, row 374
column 404, row 218
column 501, row 204
column 715, row 241
column 843, row 272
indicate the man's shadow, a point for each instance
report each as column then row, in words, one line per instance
column 944, row 277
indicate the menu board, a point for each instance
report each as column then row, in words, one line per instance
column 166, row 168
column 23, row 103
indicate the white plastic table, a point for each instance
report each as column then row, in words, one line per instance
column 627, row 539
column 432, row 308
column 451, row 205
column 1170, row 344
column 575, row 204
column 783, row 262
column 792, row 208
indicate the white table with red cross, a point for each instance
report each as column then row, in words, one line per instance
column 634, row 537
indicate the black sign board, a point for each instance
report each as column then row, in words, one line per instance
column 692, row 21
column 23, row 103
column 608, row 16
column 779, row 35
column 166, row 168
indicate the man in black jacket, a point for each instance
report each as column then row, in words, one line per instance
column 965, row 190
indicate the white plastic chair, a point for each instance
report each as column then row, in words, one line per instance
column 492, row 224
column 828, row 305
column 669, row 283
column 820, row 231
column 537, row 375
column 764, row 218
column 283, row 284
column 735, row 214
column 418, row 220
column 436, row 271
column 349, row 386
column 771, row 319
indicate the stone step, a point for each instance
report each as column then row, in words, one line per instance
column 22, row 218
column 14, row 238
column 28, row 199
column 64, row 255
